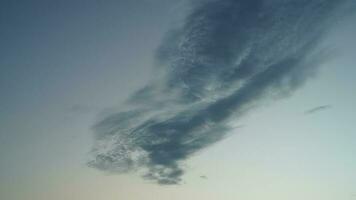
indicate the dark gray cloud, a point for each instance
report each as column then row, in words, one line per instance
column 226, row 57
column 317, row 109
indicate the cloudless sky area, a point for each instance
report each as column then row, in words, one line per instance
column 65, row 65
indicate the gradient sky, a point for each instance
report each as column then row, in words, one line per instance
column 67, row 64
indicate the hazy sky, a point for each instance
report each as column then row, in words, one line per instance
column 217, row 117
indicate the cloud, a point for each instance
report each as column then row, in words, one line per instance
column 203, row 177
column 228, row 56
column 317, row 109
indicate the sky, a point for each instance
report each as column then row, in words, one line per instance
column 161, row 99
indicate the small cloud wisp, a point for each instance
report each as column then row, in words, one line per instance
column 317, row 109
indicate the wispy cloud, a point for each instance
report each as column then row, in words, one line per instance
column 227, row 57
column 317, row 109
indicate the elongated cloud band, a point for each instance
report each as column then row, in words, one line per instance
column 317, row 109
column 228, row 56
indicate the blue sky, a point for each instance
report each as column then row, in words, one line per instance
column 69, row 66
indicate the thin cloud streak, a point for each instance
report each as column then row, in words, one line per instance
column 317, row 109
column 227, row 57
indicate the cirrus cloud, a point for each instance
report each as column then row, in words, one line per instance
column 228, row 56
